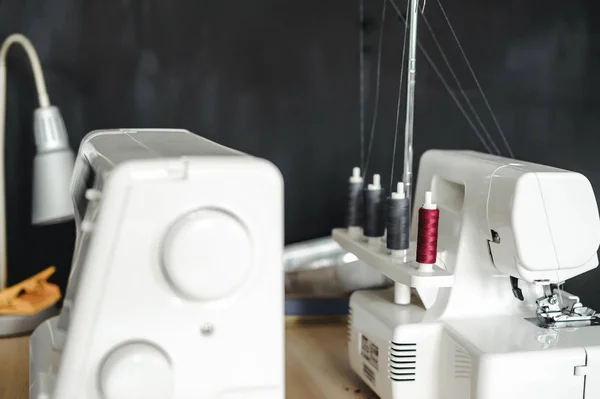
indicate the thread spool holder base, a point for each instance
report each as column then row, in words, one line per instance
column 400, row 271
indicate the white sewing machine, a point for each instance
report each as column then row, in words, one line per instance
column 176, row 289
column 507, row 230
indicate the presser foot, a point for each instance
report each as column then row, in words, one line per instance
column 561, row 307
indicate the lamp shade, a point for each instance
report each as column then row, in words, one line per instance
column 52, row 169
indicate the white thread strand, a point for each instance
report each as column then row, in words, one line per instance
column 377, row 85
column 475, row 79
column 460, row 88
column 446, row 85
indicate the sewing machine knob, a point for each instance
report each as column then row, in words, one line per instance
column 136, row 371
column 207, row 255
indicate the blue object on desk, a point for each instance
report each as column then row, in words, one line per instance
column 316, row 306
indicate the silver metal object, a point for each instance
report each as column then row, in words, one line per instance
column 321, row 268
column 313, row 254
column 410, row 99
column 560, row 306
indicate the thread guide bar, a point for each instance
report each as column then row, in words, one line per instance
column 405, row 273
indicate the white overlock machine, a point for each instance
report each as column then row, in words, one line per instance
column 176, row 288
column 481, row 313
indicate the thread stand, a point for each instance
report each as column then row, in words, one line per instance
column 405, row 264
column 355, row 231
column 374, row 224
column 400, row 271
column 426, row 254
column 397, row 238
column 368, row 227
column 355, row 212
column 401, row 291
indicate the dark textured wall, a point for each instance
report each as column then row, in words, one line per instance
column 279, row 79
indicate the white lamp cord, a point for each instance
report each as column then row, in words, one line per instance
column 44, row 102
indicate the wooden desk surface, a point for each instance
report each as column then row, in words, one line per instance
column 316, row 365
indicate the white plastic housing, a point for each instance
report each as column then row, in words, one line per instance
column 401, row 352
column 176, row 289
column 546, row 219
column 464, row 335
column 52, row 172
column 498, row 217
column 52, row 168
column 49, row 130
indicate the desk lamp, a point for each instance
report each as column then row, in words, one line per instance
column 53, row 166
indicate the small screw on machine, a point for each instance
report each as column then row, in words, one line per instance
column 207, row 330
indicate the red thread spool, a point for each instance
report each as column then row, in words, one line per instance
column 427, row 236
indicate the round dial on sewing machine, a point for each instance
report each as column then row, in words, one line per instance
column 136, row 370
column 207, row 254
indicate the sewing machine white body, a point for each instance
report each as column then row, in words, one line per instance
column 176, row 289
column 464, row 335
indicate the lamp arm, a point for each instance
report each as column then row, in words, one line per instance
column 36, row 66
column 44, row 101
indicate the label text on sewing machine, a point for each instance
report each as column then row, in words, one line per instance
column 369, row 351
column 369, row 374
